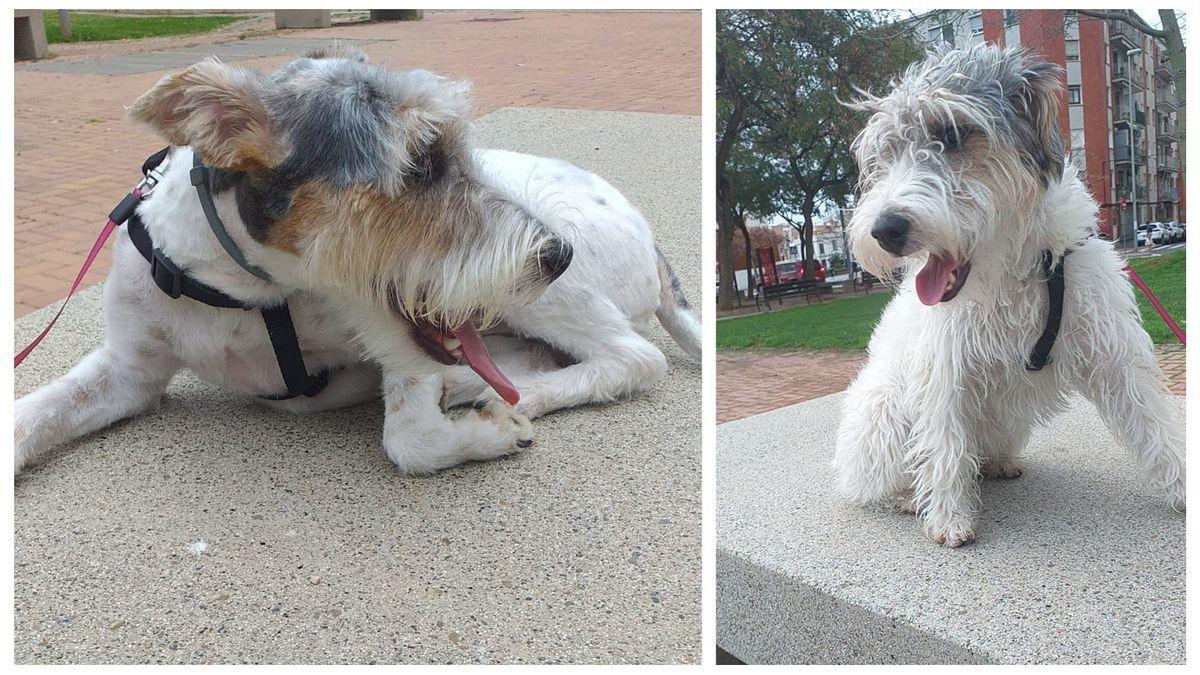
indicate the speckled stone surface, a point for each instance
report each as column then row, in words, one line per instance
column 586, row 548
column 1075, row 561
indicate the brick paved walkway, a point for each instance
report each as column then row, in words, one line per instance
column 76, row 156
column 753, row 382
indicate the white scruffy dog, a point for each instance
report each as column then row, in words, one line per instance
column 395, row 243
column 964, row 188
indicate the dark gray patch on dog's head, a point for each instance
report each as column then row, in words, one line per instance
column 348, row 123
column 1013, row 92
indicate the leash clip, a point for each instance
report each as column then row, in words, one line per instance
column 151, row 181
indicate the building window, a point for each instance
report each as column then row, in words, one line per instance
column 943, row 33
column 977, row 23
column 1074, row 97
column 1072, row 50
column 1010, row 17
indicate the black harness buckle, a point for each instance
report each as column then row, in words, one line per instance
column 166, row 274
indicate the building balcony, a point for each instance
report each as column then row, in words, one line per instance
column 1168, row 163
column 1122, row 116
column 1124, row 77
column 1162, row 68
column 1123, row 36
column 1168, row 132
column 1123, row 193
column 1168, row 194
column 1166, row 100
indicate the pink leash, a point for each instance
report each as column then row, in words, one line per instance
column 112, row 224
column 1157, row 305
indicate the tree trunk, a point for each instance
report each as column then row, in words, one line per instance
column 725, row 227
column 64, row 23
column 807, row 234
column 741, row 223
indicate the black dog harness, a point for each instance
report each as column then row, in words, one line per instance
column 175, row 282
column 1055, row 287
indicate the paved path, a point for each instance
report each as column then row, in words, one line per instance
column 753, row 382
column 76, row 155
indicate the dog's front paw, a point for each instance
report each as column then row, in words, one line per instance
column 511, row 426
column 953, row 533
column 1002, row 468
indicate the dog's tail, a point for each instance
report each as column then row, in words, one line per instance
column 674, row 312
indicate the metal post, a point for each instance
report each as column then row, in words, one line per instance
column 1132, row 143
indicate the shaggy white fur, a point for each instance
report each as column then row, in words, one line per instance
column 946, row 396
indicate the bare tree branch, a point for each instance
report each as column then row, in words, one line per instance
column 1130, row 18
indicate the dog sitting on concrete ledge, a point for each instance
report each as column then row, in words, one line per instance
column 357, row 191
column 965, row 193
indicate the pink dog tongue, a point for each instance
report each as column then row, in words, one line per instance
column 481, row 362
column 932, row 279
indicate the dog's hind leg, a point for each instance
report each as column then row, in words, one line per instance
column 1135, row 406
column 420, row 439
column 1002, row 436
column 110, row 384
column 611, row 359
column 350, row 386
column 868, row 461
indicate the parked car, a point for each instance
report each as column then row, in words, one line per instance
column 793, row 271
column 1176, row 231
column 1142, row 236
column 1182, row 231
column 1158, row 233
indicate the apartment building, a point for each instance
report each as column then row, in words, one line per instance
column 1120, row 112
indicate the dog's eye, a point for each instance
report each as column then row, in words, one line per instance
column 952, row 137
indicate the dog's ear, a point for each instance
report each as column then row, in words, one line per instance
column 215, row 108
column 1037, row 104
column 437, row 135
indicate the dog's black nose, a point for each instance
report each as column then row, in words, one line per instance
column 891, row 231
column 554, row 259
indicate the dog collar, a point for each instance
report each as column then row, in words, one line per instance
column 1055, row 287
column 172, row 280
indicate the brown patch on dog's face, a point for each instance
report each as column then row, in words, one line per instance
column 365, row 223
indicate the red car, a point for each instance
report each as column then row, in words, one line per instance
column 793, row 271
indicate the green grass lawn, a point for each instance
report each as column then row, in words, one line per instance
column 99, row 27
column 847, row 323
column 833, row 324
column 1166, row 276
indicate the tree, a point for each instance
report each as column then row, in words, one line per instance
column 784, row 139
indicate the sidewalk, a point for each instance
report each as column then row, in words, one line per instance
column 1076, row 561
column 756, row 381
column 76, row 156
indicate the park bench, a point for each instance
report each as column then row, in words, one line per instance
column 809, row 288
column 866, row 281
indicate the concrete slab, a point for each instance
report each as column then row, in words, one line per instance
column 148, row 62
column 217, row 531
column 1075, row 562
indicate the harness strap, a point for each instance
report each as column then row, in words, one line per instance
column 167, row 275
column 1055, row 286
column 287, row 352
column 200, row 176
